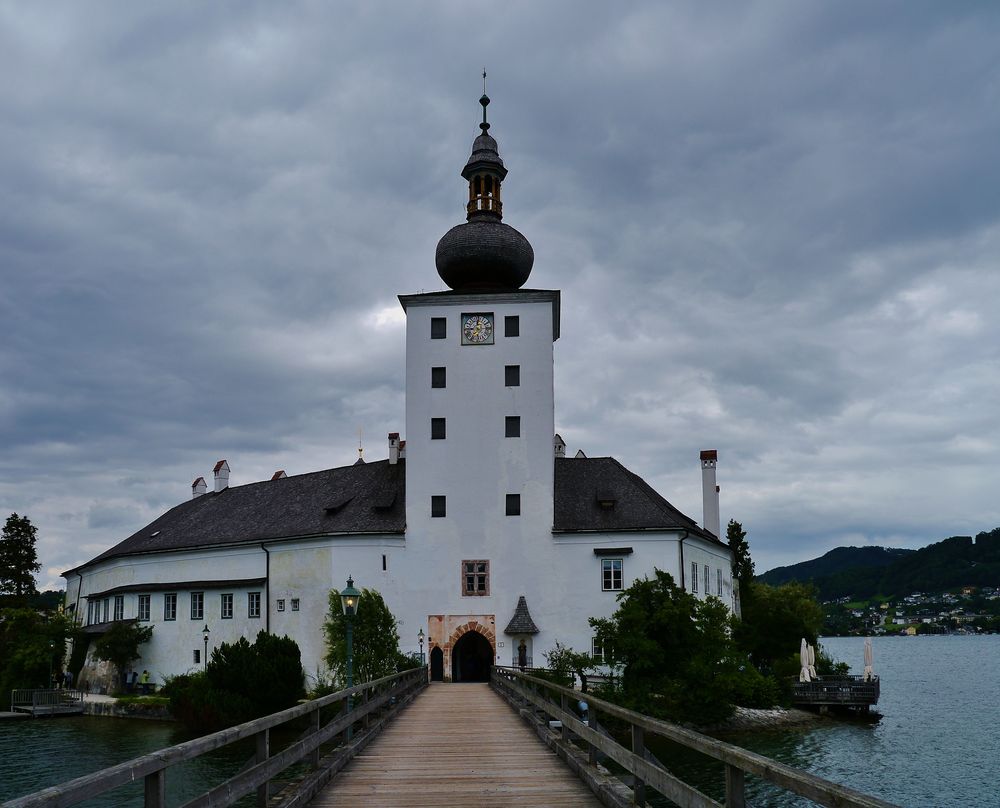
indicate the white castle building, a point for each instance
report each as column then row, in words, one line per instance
column 477, row 530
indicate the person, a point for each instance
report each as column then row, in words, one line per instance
column 134, row 683
column 144, row 682
column 522, row 656
column 67, row 679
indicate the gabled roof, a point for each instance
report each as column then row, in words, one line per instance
column 583, row 483
column 370, row 498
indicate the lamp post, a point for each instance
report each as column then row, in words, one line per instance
column 52, row 650
column 204, row 634
column 420, row 639
column 349, row 599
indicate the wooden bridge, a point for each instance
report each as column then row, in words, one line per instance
column 516, row 742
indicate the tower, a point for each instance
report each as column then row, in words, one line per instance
column 479, row 408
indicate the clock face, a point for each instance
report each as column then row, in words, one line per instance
column 477, row 329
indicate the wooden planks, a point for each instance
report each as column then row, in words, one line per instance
column 457, row 744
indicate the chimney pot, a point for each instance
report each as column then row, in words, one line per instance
column 560, row 445
column 279, row 475
column 221, row 472
column 198, row 487
column 393, row 448
column 710, row 492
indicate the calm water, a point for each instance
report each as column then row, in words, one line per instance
column 937, row 746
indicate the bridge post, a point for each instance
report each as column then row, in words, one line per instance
column 314, row 756
column 735, row 780
column 592, row 718
column 263, row 739
column 155, row 789
column 564, row 703
column 638, row 748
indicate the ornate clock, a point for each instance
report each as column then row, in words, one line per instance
column 477, row 328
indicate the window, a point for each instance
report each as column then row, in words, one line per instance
column 513, row 504
column 197, row 656
column 197, row 605
column 104, row 604
column 227, row 607
column 475, row 577
column 597, row 650
column 93, row 615
column 708, row 580
column 438, row 505
column 119, row 607
column 437, row 429
column 281, row 604
column 611, row 574
column 512, row 326
column 694, row 576
column 143, row 613
column 512, row 426
column 512, row 375
column 385, row 562
column 253, row 604
column 170, row 607
column 439, row 377
column 439, row 328
column 718, row 581
column 295, row 604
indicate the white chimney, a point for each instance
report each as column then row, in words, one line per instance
column 393, row 448
column 710, row 492
column 580, row 455
column 221, row 472
column 279, row 475
column 559, row 445
column 402, row 450
column 198, row 487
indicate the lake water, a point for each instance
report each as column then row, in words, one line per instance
column 937, row 745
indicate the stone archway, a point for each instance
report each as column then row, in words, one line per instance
column 471, row 658
column 472, row 648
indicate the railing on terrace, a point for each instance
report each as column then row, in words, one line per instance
column 375, row 703
column 554, row 703
column 846, row 689
column 46, row 701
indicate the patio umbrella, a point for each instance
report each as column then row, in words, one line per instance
column 869, row 674
column 804, row 660
column 812, row 662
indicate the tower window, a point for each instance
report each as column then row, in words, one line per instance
column 438, row 505
column 439, row 377
column 476, row 577
column 439, row 328
column 512, row 426
column 512, row 375
column 513, row 505
column 437, row 429
column 512, row 326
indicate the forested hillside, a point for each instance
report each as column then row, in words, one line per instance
column 865, row 572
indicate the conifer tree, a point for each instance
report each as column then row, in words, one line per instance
column 18, row 559
column 736, row 536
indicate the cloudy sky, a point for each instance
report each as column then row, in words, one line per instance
column 775, row 226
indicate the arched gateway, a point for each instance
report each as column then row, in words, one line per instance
column 471, row 658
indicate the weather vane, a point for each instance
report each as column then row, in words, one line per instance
column 484, row 81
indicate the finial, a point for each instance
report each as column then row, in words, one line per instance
column 485, row 100
column 361, row 447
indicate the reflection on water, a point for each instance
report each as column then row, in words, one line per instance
column 938, row 743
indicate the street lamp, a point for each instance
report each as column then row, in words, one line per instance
column 350, row 599
column 204, row 634
column 420, row 639
column 52, row 650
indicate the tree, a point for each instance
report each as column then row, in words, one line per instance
column 374, row 636
column 18, row 559
column 32, row 647
column 736, row 536
column 677, row 656
column 776, row 619
column 120, row 645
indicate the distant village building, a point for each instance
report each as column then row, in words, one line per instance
column 479, row 529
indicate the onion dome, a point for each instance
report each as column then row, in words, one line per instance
column 484, row 253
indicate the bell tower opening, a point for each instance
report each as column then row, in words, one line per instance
column 471, row 658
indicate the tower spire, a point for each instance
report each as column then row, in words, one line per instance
column 485, row 101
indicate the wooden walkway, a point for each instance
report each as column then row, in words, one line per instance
column 457, row 744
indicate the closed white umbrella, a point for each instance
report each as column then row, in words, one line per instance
column 869, row 674
column 812, row 662
column 804, row 660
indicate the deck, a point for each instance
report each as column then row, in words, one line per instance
column 458, row 744
column 837, row 691
column 46, row 703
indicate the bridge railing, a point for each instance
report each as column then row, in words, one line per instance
column 379, row 699
column 25, row 699
column 555, row 703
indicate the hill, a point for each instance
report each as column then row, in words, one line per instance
column 865, row 572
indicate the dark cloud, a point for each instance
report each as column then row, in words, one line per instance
column 774, row 226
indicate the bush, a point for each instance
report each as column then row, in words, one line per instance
column 241, row 682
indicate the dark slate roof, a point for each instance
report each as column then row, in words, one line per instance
column 581, row 481
column 366, row 498
column 521, row 622
column 170, row 586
